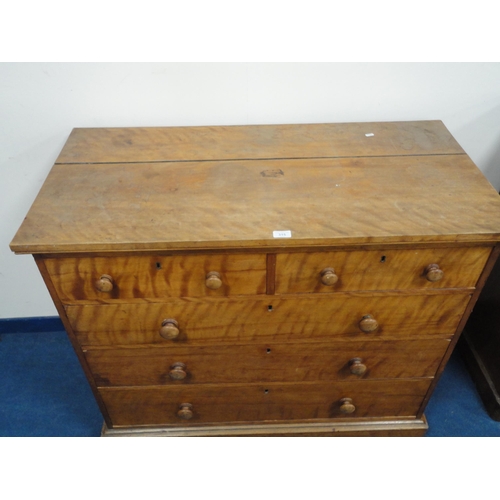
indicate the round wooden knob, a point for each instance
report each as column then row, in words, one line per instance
column 178, row 371
column 185, row 411
column 433, row 272
column 104, row 283
column 346, row 406
column 328, row 276
column 368, row 324
column 356, row 366
column 213, row 280
column 169, row 329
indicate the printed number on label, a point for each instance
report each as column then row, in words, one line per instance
column 282, row 234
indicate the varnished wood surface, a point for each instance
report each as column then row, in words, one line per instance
column 271, row 274
column 379, row 270
column 273, row 362
column 159, row 206
column 356, row 428
column 98, row 145
column 172, row 228
column 72, row 337
column 494, row 256
column 149, row 277
column 158, row 276
column 291, row 318
column 265, row 401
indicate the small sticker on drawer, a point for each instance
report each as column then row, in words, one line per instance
column 282, row 234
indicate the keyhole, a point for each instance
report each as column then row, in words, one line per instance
column 268, row 351
column 158, row 265
column 269, row 308
column 266, row 391
column 382, row 259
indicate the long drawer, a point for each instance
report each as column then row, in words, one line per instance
column 273, row 318
column 142, row 277
column 273, row 362
column 379, row 270
column 263, row 402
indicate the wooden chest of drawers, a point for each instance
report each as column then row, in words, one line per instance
column 264, row 280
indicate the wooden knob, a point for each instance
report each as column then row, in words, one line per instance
column 213, row 280
column 346, row 406
column 104, row 283
column 328, row 276
column 169, row 329
column 356, row 366
column 368, row 324
column 185, row 411
column 433, row 272
column 178, row 371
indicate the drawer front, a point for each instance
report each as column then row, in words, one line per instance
column 144, row 277
column 378, row 270
column 261, row 402
column 225, row 363
column 272, row 318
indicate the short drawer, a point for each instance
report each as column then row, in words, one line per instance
column 313, row 317
column 226, row 363
column 191, row 404
column 105, row 279
column 326, row 272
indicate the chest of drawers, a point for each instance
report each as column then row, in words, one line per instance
column 264, row 280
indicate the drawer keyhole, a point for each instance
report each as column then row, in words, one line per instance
column 382, row 259
column 269, row 308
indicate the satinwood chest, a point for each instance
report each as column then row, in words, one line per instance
column 264, row 280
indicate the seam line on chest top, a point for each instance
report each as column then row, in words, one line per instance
column 254, row 159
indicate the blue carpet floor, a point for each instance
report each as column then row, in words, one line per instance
column 43, row 392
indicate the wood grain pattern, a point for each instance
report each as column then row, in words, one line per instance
column 251, row 402
column 379, row 270
column 159, row 276
column 72, row 337
column 494, row 256
column 290, row 319
column 271, row 274
column 166, row 206
column 250, row 141
column 403, row 427
column 273, row 362
column 392, row 229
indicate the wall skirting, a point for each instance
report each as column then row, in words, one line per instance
column 33, row 324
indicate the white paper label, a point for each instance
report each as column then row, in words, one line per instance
column 282, row 234
column 369, row 135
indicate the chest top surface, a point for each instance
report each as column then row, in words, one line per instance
column 160, row 189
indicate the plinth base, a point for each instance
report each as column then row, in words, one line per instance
column 348, row 429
